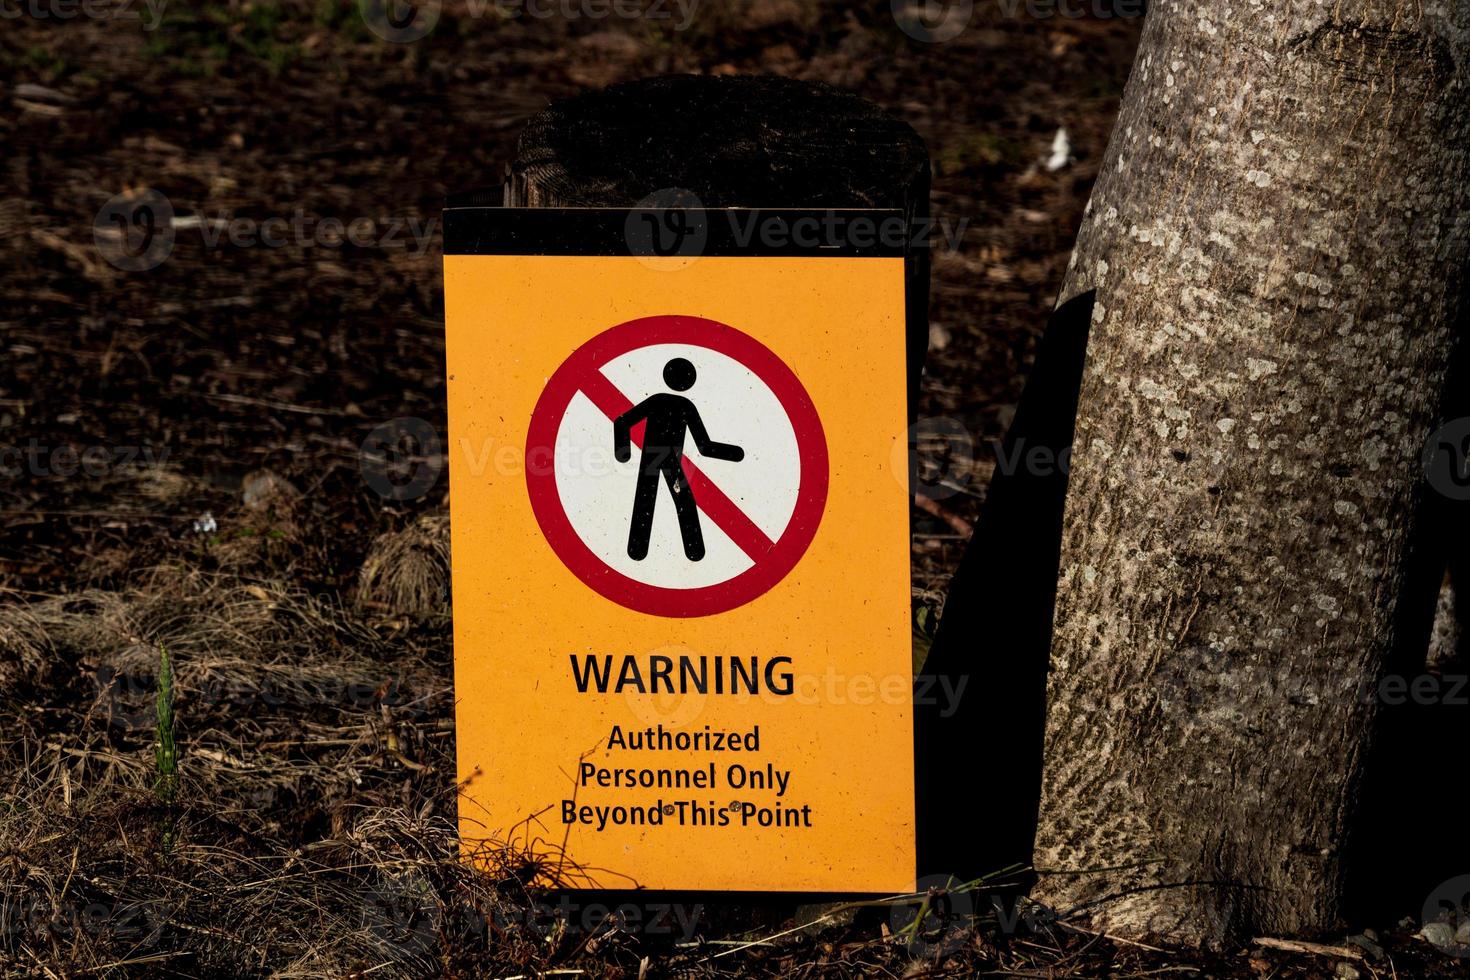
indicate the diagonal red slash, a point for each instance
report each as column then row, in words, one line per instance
column 725, row 513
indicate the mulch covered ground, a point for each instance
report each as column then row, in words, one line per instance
column 181, row 470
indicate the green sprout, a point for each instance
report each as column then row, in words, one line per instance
column 165, row 755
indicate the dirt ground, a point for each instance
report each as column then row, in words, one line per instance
column 182, row 471
column 231, row 358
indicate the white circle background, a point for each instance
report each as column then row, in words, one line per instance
column 736, row 407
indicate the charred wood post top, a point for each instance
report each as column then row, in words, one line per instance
column 744, row 141
column 732, row 141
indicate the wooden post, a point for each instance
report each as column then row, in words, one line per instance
column 730, row 142
column 748, row 141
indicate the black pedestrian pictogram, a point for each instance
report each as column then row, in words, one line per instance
column 669, row 418
column 764, row 511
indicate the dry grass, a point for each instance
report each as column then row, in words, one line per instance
column 407, row 572
column 313, row 830
column 313, row 833
column 316, row 779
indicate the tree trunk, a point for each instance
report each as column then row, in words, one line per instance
column 1277, row 240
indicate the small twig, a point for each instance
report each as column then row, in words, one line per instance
column 272, row 404
column 1111, row 938
column 220, row 756
column 1316, row 949
column 137, row 960
column 308, row 742
column 921, row 899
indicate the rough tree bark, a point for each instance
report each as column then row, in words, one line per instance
column 1278, row 241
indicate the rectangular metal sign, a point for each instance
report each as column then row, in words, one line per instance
column 679, row 499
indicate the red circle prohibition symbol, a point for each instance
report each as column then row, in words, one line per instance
column 770, row 560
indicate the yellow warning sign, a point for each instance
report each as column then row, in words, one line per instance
column 681, row 553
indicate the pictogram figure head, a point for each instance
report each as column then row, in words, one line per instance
column 679, row 374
